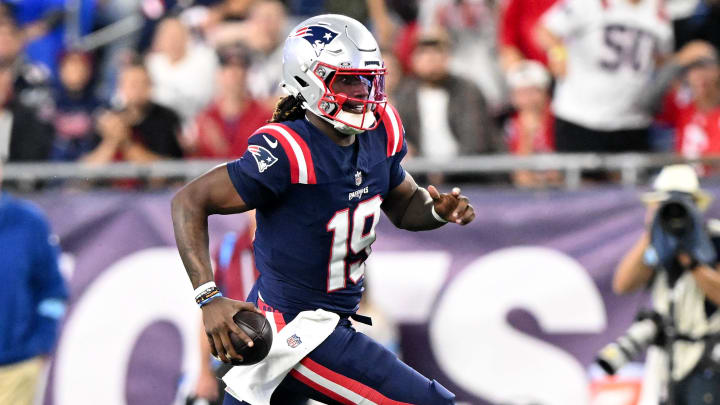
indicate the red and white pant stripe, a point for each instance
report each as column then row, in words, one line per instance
column 338, row 387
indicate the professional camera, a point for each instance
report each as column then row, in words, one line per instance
column 647, row 329
column 678, row 228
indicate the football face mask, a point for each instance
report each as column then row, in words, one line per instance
column 352, row 97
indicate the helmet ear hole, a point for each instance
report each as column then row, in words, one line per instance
column 328, row 107
column 300, row 81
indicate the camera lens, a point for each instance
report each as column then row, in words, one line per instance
column 675, row 218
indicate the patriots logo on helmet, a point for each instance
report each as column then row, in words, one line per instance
column 263, row 157
column 317, row 35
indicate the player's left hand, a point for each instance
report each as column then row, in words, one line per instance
column 453, row 207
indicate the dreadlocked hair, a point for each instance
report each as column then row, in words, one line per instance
column 288, row 108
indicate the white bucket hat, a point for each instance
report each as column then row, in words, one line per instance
column 528, row 74
column 679, row 178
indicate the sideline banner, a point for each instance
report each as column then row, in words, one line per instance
column 508, row 310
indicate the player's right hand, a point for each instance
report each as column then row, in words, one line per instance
column 218, row 320
column 453, row 207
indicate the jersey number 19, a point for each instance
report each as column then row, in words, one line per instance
column 347, row 242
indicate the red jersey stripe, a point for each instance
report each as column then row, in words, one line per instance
column 311, row 179
column 279, row 320
column 400, row 129
column 294, row 167
column 389, row 129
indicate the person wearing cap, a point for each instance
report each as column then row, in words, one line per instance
column 690, row 287
column 222, row 130
column 530, row 129
column 445, row 115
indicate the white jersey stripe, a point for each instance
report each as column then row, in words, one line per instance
column 302, row 165
column 395, row 128
column 247, row 271
column 271, row 317
column 336, row 388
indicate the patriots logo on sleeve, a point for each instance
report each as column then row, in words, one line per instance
column 263, row 157
column 317, row 35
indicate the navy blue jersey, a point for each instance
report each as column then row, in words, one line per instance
column 317, row 207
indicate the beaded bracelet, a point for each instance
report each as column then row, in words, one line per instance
column 206, row 292
column 208, row 300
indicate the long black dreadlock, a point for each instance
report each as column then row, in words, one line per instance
column 288, row 108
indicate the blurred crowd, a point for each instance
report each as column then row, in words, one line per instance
column 193, row 79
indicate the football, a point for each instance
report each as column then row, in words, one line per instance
column 257, row 327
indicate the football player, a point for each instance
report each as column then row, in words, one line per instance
column 319, row 175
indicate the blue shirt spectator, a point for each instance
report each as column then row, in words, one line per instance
column 34, row 293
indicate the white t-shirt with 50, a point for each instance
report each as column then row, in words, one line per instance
column 612, row 47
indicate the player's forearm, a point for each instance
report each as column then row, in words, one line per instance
column 418, row 214
column 211, row 193
column 191, row 235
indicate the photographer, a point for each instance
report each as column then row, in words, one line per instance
column 676, row 258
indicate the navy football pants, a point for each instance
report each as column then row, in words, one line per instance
column 350, row 368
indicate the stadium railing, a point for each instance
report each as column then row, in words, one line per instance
column 631, row 168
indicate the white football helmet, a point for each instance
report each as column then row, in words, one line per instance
column 328, row 48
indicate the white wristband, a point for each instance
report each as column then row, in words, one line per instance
column 437, row 216
column 200, row 290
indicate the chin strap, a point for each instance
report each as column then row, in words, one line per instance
column 354, row 119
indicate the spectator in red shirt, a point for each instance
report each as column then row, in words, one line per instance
column 530, row 129
column 693, row 109
column 223, row 129
column 517, row 31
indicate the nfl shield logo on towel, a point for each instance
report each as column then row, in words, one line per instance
column 294, row 341
column 358, row 178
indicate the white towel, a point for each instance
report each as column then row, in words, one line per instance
column 255, row 384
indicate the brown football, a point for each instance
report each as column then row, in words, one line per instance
column 257, row 327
